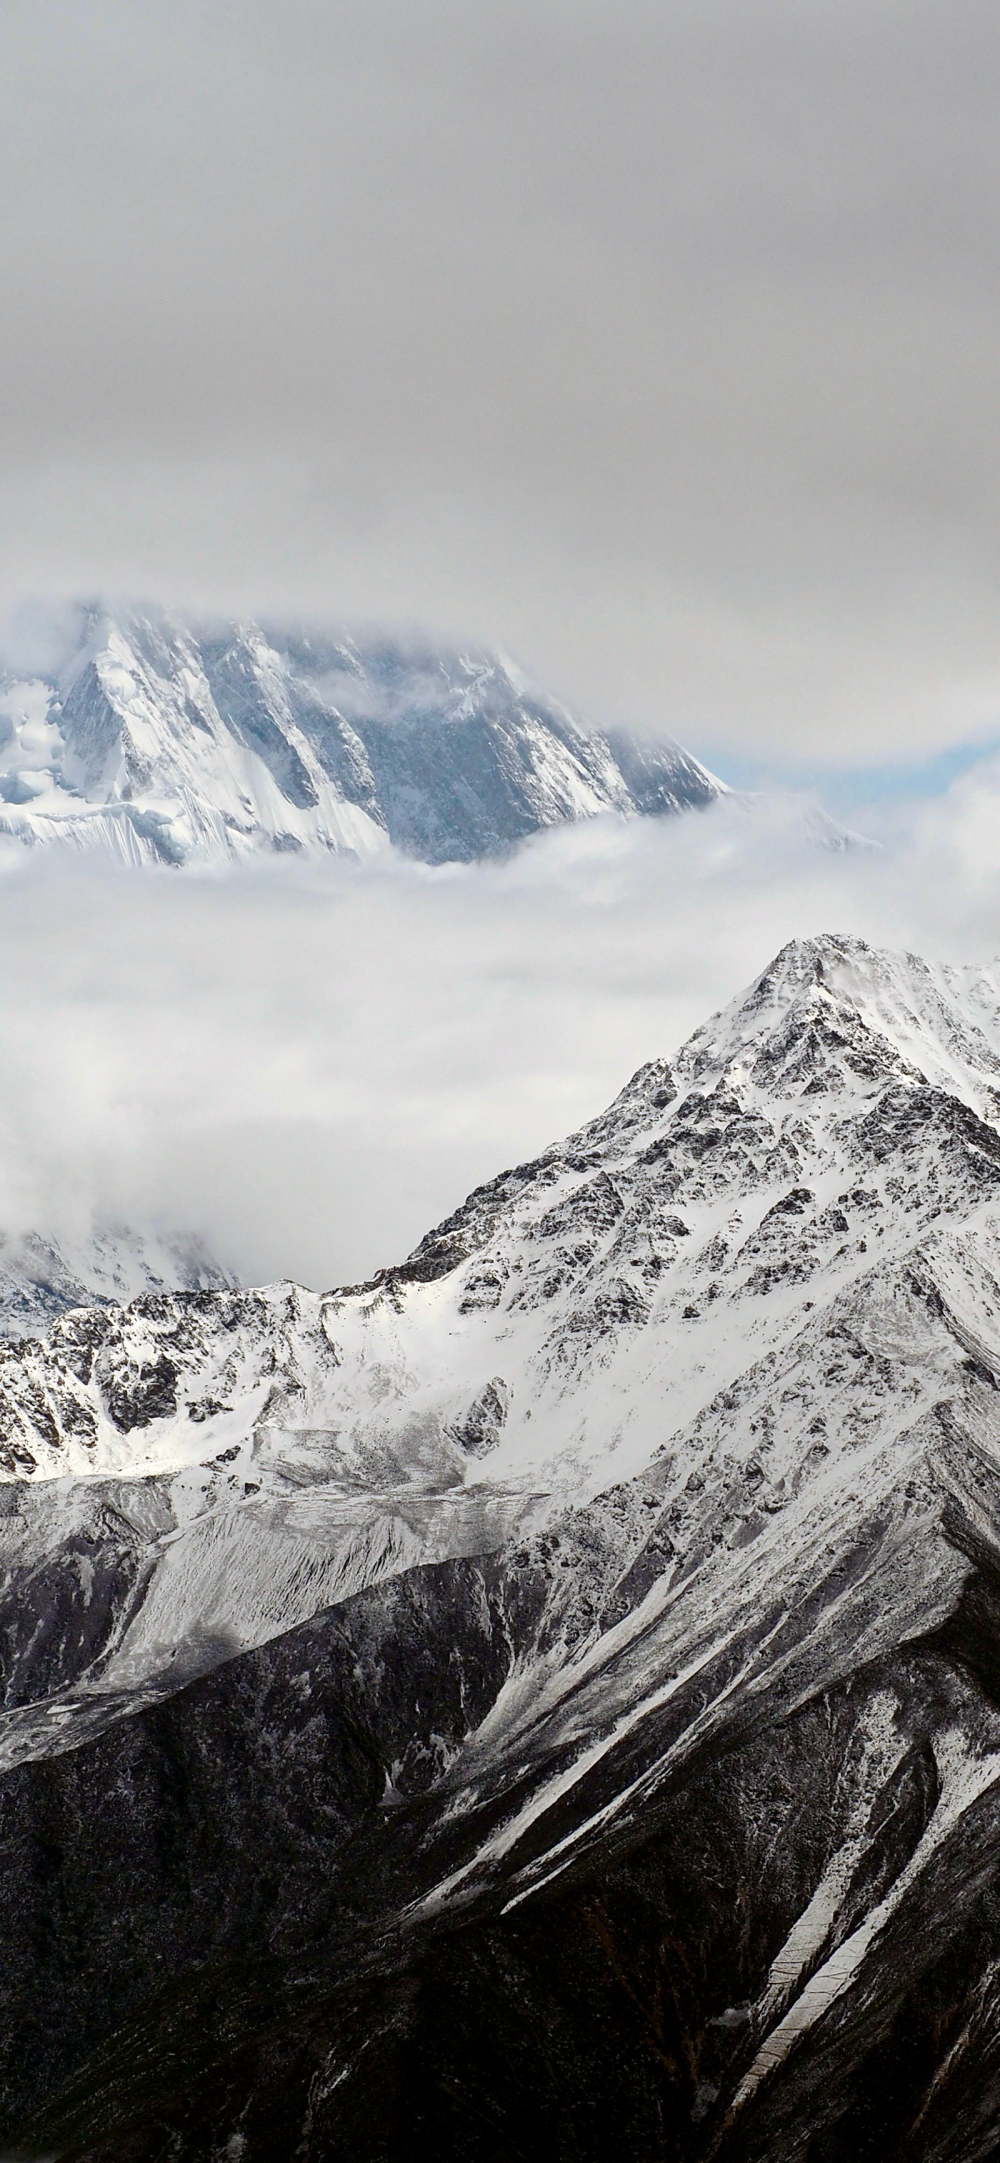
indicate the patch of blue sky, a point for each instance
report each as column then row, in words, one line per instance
column 846, row 789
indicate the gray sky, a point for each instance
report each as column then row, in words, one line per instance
column 657, row 341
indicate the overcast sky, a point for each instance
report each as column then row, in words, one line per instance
column 656, row 341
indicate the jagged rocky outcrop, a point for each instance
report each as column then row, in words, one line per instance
column 166, row 742
column 544, row 1702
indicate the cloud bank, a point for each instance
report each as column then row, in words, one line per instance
column 311, row 1065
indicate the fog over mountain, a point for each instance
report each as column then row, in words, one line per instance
column 307, row 1061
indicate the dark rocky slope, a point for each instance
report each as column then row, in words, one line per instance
column 212, row 1895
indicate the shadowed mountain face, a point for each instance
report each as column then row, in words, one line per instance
column 165, row 743
column 545, row 1702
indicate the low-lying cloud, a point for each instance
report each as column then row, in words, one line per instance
column 312, row 1064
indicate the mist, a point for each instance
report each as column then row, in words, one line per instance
column 310, row 1065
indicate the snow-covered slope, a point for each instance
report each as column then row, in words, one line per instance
column 616, row 1578
column 41, row 1278
column 656, row 1292
column 166, row 742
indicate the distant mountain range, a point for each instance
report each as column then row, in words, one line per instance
column 167, row 742
column 41, row 1278
column 543, row 1702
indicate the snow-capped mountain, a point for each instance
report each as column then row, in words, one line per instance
column 543, row 1701
column 163, row 741
column 41, row 1277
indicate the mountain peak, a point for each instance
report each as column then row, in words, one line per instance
column 860, row 1013
column 692, row 1425
column 168, row 741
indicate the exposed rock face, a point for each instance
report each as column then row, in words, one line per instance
column 544, row 1702
column 163, row 742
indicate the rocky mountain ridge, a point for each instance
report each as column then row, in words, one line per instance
column 546, row 1696
column 161, row 741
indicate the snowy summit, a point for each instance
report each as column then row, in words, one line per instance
column 165, row 742
column 606, row 1593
